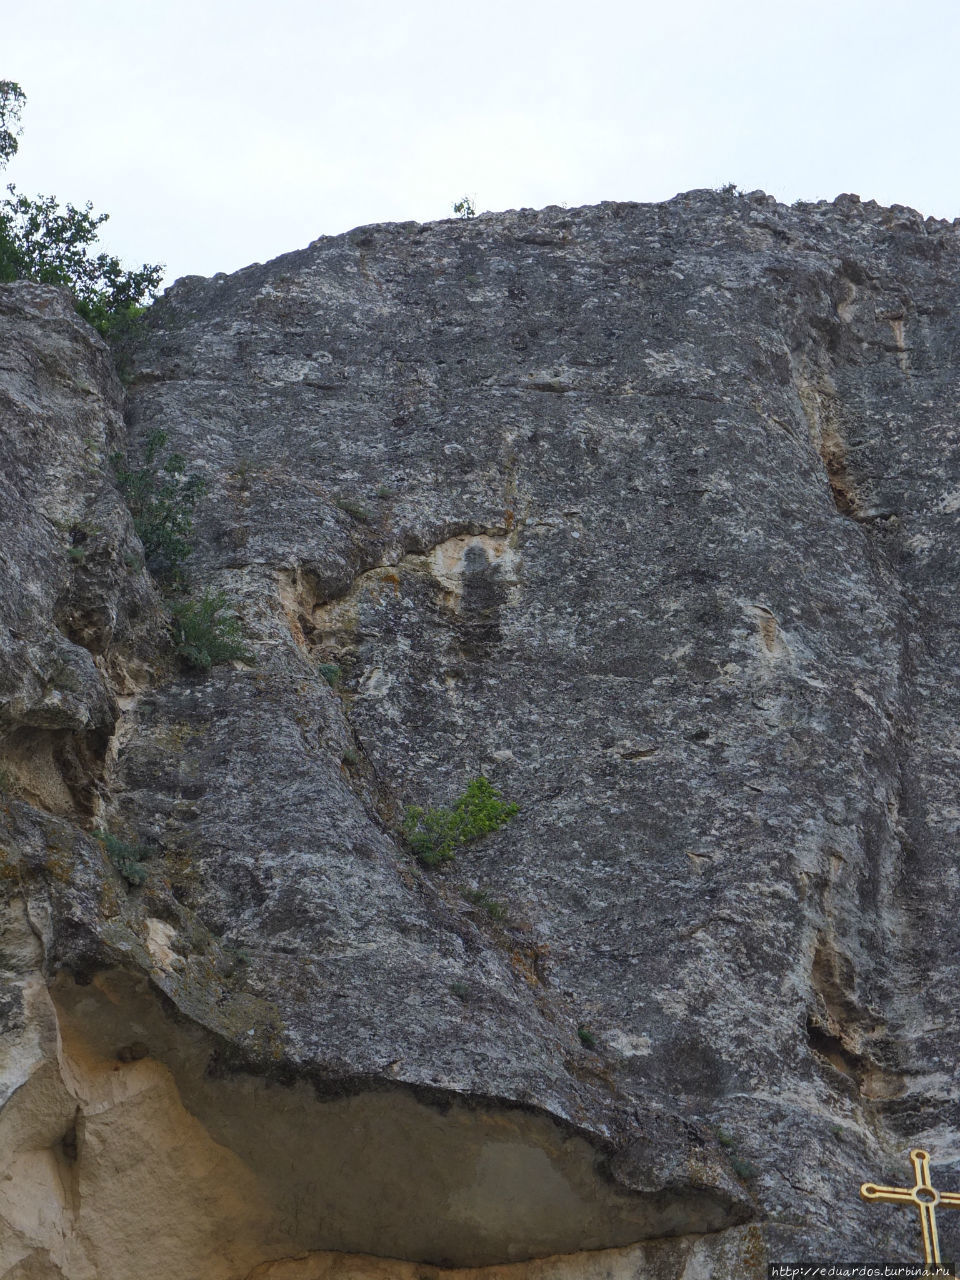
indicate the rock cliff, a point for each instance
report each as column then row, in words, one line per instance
column 647, row 513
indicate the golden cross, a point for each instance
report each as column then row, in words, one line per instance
column 924, row 1195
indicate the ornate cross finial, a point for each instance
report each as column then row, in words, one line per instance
column 924, row 1195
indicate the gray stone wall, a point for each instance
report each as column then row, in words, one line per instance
column 647, row 513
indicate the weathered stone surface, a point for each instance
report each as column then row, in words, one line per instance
column 75, row 615
column 645, row 512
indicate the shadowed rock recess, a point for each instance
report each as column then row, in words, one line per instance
column 649, row 514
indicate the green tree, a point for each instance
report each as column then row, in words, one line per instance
column 12, row 99
column 53, row 244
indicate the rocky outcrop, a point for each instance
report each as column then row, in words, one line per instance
column 647, row 513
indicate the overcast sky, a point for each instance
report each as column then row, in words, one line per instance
column 220, row 133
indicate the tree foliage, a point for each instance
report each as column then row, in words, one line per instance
column 42, row 240
column 206, row 631
column 12, row 99
column 161, row 497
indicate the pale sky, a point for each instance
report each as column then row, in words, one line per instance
column 221, row 133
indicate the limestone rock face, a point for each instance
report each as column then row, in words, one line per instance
column 649, row 515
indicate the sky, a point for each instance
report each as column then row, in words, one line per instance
column 217, row 134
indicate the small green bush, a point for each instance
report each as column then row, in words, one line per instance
column 434, row 834
column 161, row 497
column 330, row 672
column 127, row 858
column 204, row 634
column 464, row 208
column 586, row 1037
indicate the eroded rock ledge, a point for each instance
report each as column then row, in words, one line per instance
column 157, row 1163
